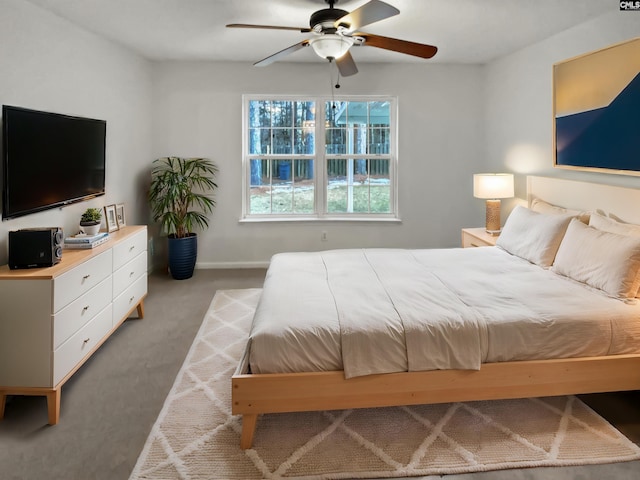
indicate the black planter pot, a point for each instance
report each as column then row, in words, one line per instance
column 182, row 256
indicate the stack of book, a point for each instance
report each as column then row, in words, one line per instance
column 82, row 241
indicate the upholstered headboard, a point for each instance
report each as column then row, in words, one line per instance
column 622, row 202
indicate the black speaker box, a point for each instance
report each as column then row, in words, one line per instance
column 35, row 247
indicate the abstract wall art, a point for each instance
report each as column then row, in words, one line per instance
column 596, row 110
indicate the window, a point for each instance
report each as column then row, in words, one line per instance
column 318, row 158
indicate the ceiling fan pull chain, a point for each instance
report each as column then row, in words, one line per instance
column 337, row 84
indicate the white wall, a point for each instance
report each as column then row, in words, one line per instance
column 46, row 63
column 197, row 112
column 519, row 101
column 454, row 121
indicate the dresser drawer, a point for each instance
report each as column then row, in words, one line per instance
column 79, row 312
column 71, row 352
column 127, row 274
column 129, row 248
column 74, row 283
column 128, row 299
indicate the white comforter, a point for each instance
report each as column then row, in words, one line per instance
column 392, row 310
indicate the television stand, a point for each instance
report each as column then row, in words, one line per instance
column 53, row 319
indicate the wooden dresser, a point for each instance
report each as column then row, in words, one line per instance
column 53, row 319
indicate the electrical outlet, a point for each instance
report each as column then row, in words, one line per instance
column 323, row 236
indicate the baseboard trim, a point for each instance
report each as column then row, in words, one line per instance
column 230, row 265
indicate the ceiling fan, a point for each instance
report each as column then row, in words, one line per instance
column 335, row 31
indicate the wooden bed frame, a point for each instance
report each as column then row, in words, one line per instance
column 253, row 394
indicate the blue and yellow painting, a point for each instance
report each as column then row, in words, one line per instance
column 597, row 110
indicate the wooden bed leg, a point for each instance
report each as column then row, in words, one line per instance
column 53, row 406
column 140, row 309
column 248, row 429
column 3, row 401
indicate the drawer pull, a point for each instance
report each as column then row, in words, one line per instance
column 86, row 277
column 86, row 340
column 85, row 308
column 131, row 248
column 131, row 274
column 131, row 299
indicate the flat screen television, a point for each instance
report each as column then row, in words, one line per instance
column 49, row 160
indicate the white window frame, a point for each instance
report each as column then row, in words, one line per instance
column 319, row 162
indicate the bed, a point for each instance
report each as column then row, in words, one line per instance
column 358, row 336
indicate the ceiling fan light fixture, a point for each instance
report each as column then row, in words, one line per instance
column 331, row 45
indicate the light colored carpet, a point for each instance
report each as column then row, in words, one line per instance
column 196, row 437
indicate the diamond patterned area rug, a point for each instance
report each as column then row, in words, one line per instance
column 196, row 437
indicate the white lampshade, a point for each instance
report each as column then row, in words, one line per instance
column 331, row 45
column 493, row 185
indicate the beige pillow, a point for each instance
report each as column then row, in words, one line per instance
column 608, row 224
column 541, row 206
column 533, row 236
column 603, row 260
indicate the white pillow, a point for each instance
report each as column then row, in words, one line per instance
column 608, row 224
column 603, row 260
column 533, row 236
column 541, row 206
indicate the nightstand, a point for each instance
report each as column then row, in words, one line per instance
column 477, row 237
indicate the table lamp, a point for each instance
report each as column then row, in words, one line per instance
column 493, row 187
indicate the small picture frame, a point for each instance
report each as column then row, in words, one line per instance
column 120, row 215
column 111, row 218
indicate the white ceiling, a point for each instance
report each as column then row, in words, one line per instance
column 465, row 31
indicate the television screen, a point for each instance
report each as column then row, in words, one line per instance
column 49, row 160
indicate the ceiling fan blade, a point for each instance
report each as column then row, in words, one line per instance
column 346, row 65
column 282, row 53
column 371, row 12
column 401, row 46
column 269, row 27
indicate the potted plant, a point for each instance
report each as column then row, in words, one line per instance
column 178, row 185
column 90, row 221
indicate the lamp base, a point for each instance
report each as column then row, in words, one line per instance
column 493, row 217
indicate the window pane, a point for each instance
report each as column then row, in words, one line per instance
column 256, row 179
column 281, row 141
column 337, row 198
column 379, row 170
column 380, row 198
column 282, row 198
column 304, row 141
column 380, row 184
column 358, row 112
column 259, row 141
column 379, row 113
column 260, row 113
column 336, row 141
column 358, row 186
column 335, row 112
column 358, row 139
column 378, row 140
column 282, row 171
column 281, row 114
column 337, row 186
column 260, row 200
column 305, row 114
column 303, row 187
column 361, row 198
